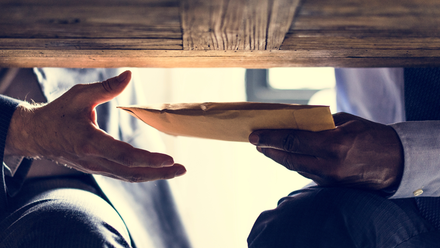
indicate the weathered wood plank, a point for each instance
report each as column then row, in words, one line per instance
column 91, row 44
column 89, row 22
column 236, row 24
column 81, row 24
column 101, row 33
column 389, row 28
column 89, row 3
column 213, row 58
column 282, row 11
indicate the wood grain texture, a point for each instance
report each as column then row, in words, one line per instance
column 236, row 24
column 405, row 29
column 215, row 58
column 219, row 33
column 281, row 12
column 82, row 24
column 94, row 44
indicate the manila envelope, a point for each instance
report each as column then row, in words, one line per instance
column 231, row 121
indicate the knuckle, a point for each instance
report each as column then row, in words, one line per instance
column 335, row 151
column 288, row 163
column 290, row 143
column 125, row 160
column 78, row 88
column 337, row 145
column 264, row 151
column 107, row 86
column 135, row 179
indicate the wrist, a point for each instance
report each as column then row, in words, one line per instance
column 19, row 139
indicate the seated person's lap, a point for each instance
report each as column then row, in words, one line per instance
column 342, row 217
column 62, row 212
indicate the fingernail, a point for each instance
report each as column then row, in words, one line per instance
column 168, row 162
column 180, row 172
column 254, row 139
column 123, row 76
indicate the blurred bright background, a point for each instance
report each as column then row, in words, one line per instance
column 228, row 184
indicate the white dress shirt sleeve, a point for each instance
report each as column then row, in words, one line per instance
column 421, row 146
column 377, row 94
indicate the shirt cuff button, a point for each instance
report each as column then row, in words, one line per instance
column 418, row 192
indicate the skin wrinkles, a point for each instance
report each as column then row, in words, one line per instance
column 65, row 131
column 357, row 153
column 290, row 142
column 107, row 86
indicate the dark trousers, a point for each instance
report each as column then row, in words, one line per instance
column 342, row 217
column 61, row 212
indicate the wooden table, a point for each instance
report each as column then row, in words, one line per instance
column 219, row 33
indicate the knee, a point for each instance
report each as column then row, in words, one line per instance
column 311, row 218
column 83, row 220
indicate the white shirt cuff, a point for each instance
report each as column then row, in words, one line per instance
column 11, row 164
column 421, row 147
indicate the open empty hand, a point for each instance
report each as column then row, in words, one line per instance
column 66, row 131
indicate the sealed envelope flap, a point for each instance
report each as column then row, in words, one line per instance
column 231, row 121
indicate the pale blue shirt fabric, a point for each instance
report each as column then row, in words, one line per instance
column 377, row 94
column 147, row 208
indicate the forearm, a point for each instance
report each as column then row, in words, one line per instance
column 20, row 137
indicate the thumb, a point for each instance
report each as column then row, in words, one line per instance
column 101, row 92
column 341, row 118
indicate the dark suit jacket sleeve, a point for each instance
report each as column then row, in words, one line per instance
column 9, row 185
column 7, row 106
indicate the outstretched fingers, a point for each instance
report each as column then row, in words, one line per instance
column 301, row 163
column 142, row 174
column 341, row 118
column 291, row 141
column 102, row 166
column 105, row 146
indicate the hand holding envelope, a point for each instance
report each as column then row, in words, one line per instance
column 358, row 153
column 303, row 138
column 232, row 121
